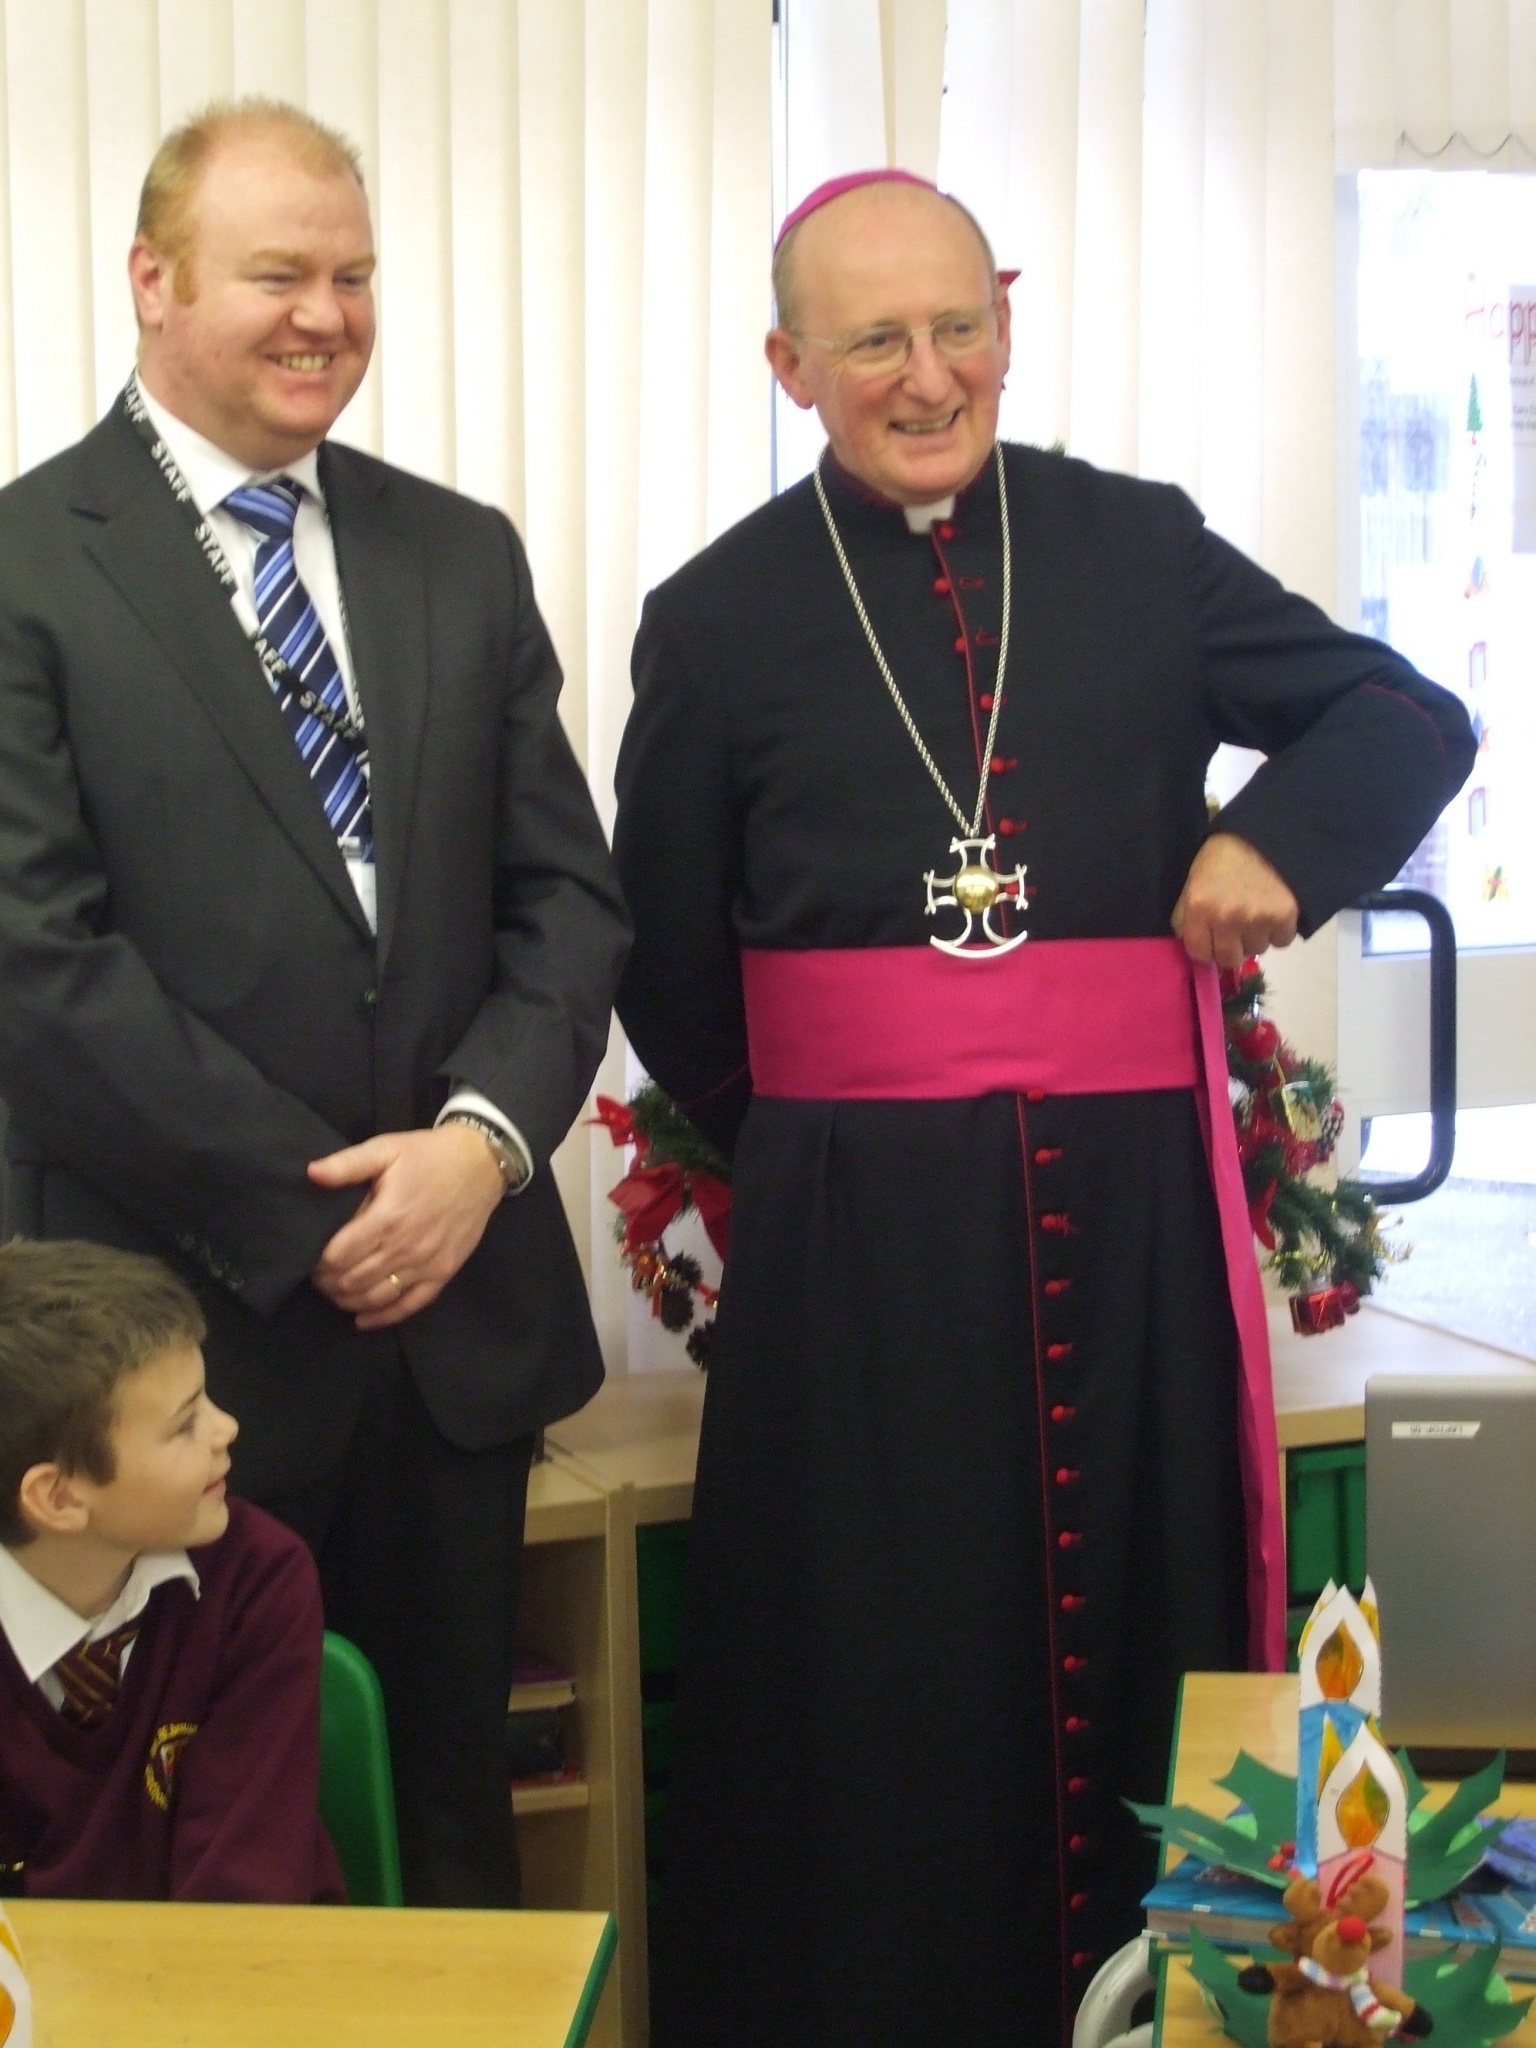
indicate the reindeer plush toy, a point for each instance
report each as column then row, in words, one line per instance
column 1327, row 1998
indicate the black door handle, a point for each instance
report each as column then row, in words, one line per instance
column 1442, row 1040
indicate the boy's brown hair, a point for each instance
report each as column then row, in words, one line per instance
column 74, row 1319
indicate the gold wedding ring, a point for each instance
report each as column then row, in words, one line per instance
column 397, row 1283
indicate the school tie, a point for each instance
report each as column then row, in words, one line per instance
column 286, row 615
column 89, row 1676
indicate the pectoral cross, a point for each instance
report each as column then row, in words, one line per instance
column 975, row 889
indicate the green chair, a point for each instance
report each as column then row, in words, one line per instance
column 357, row 1793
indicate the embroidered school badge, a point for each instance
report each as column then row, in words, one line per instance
column 164, row 1755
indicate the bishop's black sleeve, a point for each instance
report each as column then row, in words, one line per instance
column 1364, row 753
column 677, row 841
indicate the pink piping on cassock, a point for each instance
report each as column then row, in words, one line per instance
column 1070, row 1017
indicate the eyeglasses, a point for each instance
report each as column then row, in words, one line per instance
column 877, row 351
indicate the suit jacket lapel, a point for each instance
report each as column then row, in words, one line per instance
column 383, row 571
column 139, row 536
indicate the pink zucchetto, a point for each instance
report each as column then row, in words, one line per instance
column 834, row 188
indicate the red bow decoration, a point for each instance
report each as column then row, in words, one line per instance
column 616, row 1120
column 651, row 1197
column 1311, row 1314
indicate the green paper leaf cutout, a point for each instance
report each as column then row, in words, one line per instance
column 1439, row 1832
column 1470, row 2006
column 1213, row 1841
column 1244, row 2014
column 1417, row 1792
column 1269, row 1795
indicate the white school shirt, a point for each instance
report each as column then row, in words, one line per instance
column 41, row 1628
column 210, row 474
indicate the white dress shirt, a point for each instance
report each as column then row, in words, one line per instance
column 41, row 1628
column 210, row 474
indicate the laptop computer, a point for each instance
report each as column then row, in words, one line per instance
column 1450, row 1512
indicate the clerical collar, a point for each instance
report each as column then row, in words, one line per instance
column 855, row 498
column 921, row 517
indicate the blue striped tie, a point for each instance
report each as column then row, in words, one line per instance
column 286, row 615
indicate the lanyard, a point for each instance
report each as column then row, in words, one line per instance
column 284, row 682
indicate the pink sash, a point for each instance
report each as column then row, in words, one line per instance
column 1069, row 1017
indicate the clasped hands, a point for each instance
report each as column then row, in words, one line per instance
column 1233, row 904
column 430, row 1196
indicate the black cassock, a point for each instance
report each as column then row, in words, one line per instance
column 968, row 1498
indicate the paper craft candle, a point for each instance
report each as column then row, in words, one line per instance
column 15, row 1993
column 1340, row 1691
column 1362, row 1825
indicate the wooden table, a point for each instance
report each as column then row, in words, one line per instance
column 152, row 1976
column 1320, row 1381
column 1219, row 1714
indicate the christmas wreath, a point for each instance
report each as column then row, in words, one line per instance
column 674, row 1170
column 1323, row 1242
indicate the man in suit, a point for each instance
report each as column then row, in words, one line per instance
column 308, row 935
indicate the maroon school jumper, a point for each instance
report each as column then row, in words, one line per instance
column 203, row 1781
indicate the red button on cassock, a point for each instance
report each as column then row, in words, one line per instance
column 1074, row 1663
column 960, row 643
column 1006, row 827
column 1055, row 1223
column 1047, row 1155
column 1077, row 1843
column 1075, row 1724
column 1065, row 1474
column 1078, row 1901
column 1057, row 1352
column 941, row 585
column 945, row 530
column 1069, row 1539
column 1035, row 1095
column 1076, row 1785
column 984, row 701
column 1055, row 1287
column 1062, row 1413
column 1081, row 1959
column 1070, row 1602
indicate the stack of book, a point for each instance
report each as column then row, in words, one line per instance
column 1235, row 1911
column 536, row 1753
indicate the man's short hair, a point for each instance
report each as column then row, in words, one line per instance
column 785, row 311
column 170, row 184
column 74, row 1320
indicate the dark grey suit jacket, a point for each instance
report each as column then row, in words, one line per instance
column 191, row 1004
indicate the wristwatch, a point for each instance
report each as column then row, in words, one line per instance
column 509, row 1162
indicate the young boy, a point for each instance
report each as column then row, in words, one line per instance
column 159, row 1717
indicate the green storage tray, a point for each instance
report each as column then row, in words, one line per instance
column 1325, row 1519
column 661, row 1551
column 656, row 1718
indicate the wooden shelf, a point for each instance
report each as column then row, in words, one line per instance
column 565, row 1798
column 640, row 1430
column 582, row 1845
